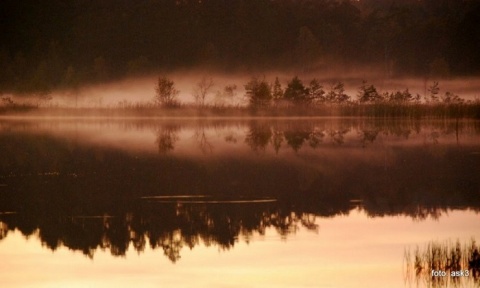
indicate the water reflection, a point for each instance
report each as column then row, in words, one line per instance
column 258, row 136
column 162, row 224
column 106, row 184
column 166, row 138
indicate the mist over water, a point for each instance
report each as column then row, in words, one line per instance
column 240, row 143
column 141, row 89
column 131, row 91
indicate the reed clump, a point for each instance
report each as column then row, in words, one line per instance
column 444, row 264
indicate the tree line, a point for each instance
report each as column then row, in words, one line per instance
column 66, row 43
column 262, row 94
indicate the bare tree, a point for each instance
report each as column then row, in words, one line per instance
column 202, row 90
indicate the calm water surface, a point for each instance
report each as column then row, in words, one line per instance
column 231, row 203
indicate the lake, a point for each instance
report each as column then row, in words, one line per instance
column 233, row 202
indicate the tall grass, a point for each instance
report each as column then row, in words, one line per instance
column 373, row 110
column 412, row 110
column 450, row 258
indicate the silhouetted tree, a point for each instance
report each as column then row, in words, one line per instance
column 400, row 97
column 296, row 92
column 165, row 92
column 368, row 94
column 451, row 98
column 315, row 92
column 337, row 94
column 258, row 93
column 277, row 91
column 434, row 89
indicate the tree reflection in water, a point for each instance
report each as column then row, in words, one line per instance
column 203, row 144
column 88, row 197
column 259, row 136
column 166, row 226
column 166, row 139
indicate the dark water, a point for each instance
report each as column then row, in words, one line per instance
column 231, row 203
